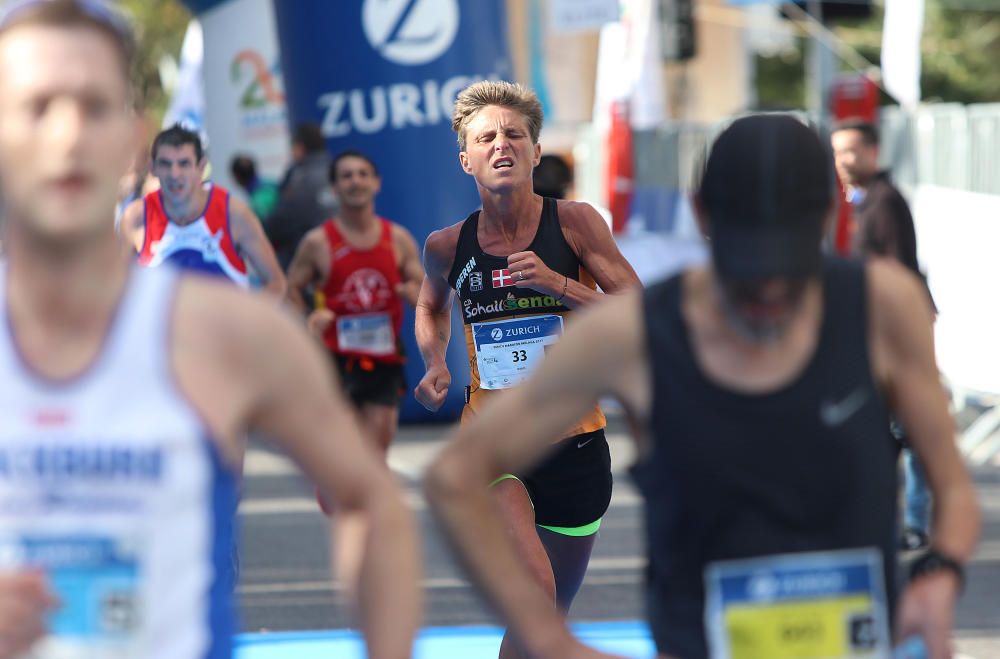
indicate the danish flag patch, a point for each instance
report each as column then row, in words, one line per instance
column 502, row 279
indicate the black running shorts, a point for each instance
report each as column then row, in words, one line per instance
column 370, row 382
column 572, row 488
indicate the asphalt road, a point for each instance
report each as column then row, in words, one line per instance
column 285, row 584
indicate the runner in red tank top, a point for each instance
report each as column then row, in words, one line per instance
column 362, row 267
column 360, row 290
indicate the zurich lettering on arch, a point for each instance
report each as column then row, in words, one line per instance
column 410, row 32
column 387, row 86
column 397, row 106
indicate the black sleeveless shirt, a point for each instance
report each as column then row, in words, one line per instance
column 486, row 287
column 808, row 467
column 486, row 292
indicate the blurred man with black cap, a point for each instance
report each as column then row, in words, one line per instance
column 759, row 387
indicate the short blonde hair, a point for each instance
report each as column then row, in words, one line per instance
column 503, row 94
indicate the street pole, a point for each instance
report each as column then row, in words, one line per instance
column 821, row 65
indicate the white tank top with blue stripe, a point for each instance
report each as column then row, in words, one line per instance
column 110, row 484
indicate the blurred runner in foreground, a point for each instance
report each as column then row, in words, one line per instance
column 760, row 388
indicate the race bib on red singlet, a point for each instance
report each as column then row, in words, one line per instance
column 369, row 333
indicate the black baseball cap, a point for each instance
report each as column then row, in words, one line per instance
column 767, row 187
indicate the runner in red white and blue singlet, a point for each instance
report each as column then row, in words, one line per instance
column 205, row 245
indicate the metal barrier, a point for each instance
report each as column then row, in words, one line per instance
column 946, row 144
column 984, row 148
column 949, row 145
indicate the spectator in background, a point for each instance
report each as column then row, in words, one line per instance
column 305, row 199
column 883, row 227
column 883, row 223
column 262, row 194
column 552, row 177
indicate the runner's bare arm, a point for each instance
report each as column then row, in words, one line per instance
column 588, row 236
column 302, row 407
column 26, row 600
column 410, row 270
column 433, row 317
column 604, row 353
column 304, row 269
column 132, row 228
column 902, row 320
column 903, row 355
column 248, row 234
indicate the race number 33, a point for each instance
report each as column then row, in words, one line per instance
column 507, row 351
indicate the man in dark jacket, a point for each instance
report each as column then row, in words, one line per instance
column 883, row 227
column 305, row 199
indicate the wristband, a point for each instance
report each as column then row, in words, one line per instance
column 933, row 561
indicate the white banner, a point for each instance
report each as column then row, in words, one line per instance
column 901, row 31
column 244, row 95
column 187, row 105
column 581, row 15
column 959, row 256
column 629, row 66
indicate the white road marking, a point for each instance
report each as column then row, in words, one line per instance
column 622, row 497
column 411, row 458
column 433, row 583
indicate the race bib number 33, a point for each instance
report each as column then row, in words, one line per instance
column 828, row 605
column 507, row 351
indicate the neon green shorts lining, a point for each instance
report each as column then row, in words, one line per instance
column 572, row 531
column 507, row 477
column 575, row 531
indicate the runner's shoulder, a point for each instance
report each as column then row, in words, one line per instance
column 401, row 234
column 241, row 210
column 896, row 295
column 225, row 320
column 397, row 228
column 582, row 226
column 133, row 214
column 314, row 238
column 578, row 213
column 894, row 289
column 443, row 240
column 440, row 248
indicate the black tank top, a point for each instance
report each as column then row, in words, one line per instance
column 486, row 288
column 486, row 292
column 808, row 467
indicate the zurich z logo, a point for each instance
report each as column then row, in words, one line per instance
column 410, row 32
column 497, row 334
